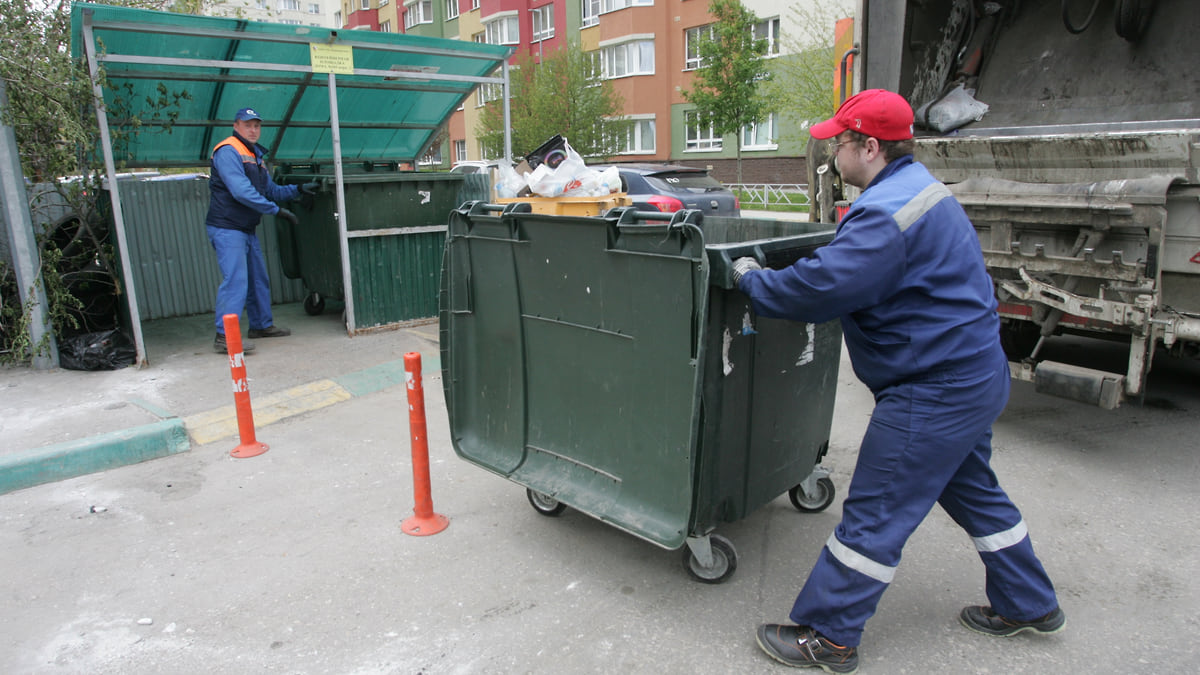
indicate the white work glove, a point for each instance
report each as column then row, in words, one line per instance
column 743, row 265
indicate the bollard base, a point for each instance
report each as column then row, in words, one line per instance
column 249, row 450
column 423, row 527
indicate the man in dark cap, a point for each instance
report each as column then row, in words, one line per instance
column 241, row 193
column 906, row 275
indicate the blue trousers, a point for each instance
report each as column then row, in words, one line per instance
column 244, row 279
column 927, row 442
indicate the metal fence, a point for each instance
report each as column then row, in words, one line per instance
column 771, row 194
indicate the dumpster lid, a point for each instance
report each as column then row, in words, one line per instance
column 400, row 93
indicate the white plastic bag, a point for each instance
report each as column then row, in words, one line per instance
column 509, row 183
column 951, row 111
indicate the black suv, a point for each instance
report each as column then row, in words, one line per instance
column 671, row 187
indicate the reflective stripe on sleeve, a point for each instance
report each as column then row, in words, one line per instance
column 859, row 562
column 1001, row 540
column 918, row 206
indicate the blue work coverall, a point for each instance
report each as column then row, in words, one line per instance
column 242, row 192
column 906, row 275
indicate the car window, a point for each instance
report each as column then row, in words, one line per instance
column 693, row 182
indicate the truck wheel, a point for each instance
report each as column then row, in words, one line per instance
column 816, row 503
column 314, row 304
column 724, row 561
column 545, row 504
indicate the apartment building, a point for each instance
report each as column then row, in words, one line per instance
column 295, row 12
column 646, row 48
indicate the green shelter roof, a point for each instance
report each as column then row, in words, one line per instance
column 401, row 90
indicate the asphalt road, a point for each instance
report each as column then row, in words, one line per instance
column 294, row 561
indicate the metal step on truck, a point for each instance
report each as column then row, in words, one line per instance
column 1070, row 132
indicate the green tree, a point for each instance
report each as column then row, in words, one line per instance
column 564, row 94
column 50, row 109
column 726, row 89
column 802, row 86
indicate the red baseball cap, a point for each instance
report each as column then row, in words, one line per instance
column 878, row 113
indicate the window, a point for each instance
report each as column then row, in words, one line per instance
column 434, row 156
column 700, row 134
column 385, row 26
column 543, row 22
column 460, row 151
column 260, row 4
column 488, row 92
column 291, row 22
column 591, row 13
column 628, row 58
column 474, row 4
column 418, row 12
column 639, row 139
column 760, row 135
column 768, row 30
column 365, row 4
column 502, row 31
column 614, row 5
column 289, row 5
column 337, row 19
column 315, row 8
column 451, row 9
column 691, row 45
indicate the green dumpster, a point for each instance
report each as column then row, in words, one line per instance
column 607, row 364
column 395, row 230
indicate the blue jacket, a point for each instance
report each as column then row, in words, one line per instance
column 906, row 275
column 241, row 189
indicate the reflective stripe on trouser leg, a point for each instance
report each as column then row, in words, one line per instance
column 1017, row 585
column 918, row 435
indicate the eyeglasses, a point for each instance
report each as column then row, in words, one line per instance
column 833, row 147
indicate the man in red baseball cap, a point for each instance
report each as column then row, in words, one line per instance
column 905, row 274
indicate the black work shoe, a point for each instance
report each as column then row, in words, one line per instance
column 220, row 347
column 984, row 620
column 269, row 331
column 801, row 647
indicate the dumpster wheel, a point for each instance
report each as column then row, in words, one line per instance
column 545, row 504
column 815, row 500
column 314, row 304
column 722, row 555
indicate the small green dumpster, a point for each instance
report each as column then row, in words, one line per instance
column 607, row 363
column 395, row 230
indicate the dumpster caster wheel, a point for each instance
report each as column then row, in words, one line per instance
column 818, row 501
column 545, row 504
column 724, row 560
column 314, row 304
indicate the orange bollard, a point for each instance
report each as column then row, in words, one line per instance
column 425, row 521
column 241, row 390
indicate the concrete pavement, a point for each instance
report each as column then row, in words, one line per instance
column 294, row 561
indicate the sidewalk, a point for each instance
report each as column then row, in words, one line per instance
column 61, row 423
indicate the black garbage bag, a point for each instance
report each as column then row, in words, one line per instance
column 102, row 350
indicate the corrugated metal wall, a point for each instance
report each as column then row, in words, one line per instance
column 174, row 269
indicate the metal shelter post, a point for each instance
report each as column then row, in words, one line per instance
column 89, row 45
column 507, row 114
column 25, row 252
column 343, row 241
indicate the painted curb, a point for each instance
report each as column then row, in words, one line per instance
column 88, row 455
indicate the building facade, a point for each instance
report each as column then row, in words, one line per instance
column 646, row 48
column 294, row 12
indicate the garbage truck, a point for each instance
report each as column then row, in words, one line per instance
column 1070, row 132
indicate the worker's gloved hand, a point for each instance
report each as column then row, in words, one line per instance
column 743, row 265
column 288, row 216
column 310, row 188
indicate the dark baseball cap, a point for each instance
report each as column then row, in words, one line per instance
column 246, row 114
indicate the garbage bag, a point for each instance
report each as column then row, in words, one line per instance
column 102, row 350
column 957, row 108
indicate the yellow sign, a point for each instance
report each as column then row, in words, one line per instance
column 336, row 59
